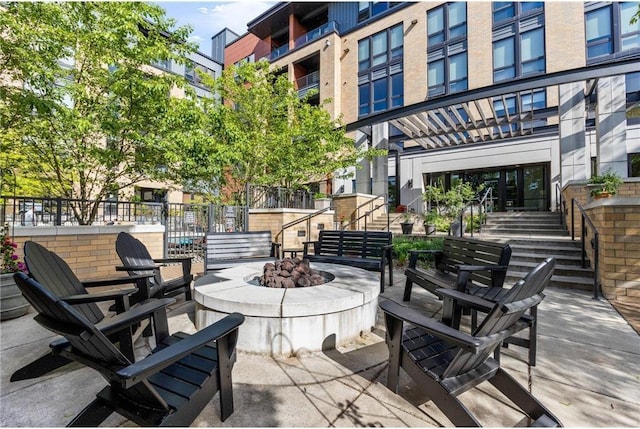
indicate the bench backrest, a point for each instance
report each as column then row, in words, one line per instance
column 469, row 251
column 238, row 245
column 358, row 244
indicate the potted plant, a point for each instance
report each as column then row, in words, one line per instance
column 605, row 185
column 321, row 201
column 451, row 204
column 12, row 303
column 407, row 222
column 430, row 221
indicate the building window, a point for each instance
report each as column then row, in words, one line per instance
column 369, row 9
column 447, row 49
column 609, row 31
column 634, row 164
column 380, row 71
column 518, row 40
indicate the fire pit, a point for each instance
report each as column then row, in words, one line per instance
column 292, row 272
column 288, row 321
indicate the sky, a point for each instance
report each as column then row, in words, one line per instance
column 209, row 17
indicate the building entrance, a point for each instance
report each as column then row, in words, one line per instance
column 514, row 187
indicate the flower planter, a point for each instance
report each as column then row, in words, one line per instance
column 406, row 228
column 429, row 228
column 12, row 303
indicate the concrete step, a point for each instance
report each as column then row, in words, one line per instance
column 562, row 282
column 560, row 270
column 527, row 232
column 565, row 259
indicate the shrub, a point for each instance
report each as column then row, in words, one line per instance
column 402, row 245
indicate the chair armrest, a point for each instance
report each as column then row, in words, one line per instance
column 275, row 250
column 115, row 280
column 451, row 335
column 172, row 260
column 414, row 254
column 152, row 364
column 133, row 316
column 109, row 295
column 138, row 267
column 466, row 300
column 434, row 327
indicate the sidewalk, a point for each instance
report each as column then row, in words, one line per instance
column 588, row 374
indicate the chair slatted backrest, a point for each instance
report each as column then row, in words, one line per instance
column 86, row 340
column 235, row 245
column 51, row 270
column 133, row 252
column 468, row 251
column 361, row 244
column 526, row 293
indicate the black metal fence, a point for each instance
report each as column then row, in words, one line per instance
column 265, row 197
column 34, row 211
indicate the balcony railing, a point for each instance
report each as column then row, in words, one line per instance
column 315, row 34
column 276, row 53
column 308, row 82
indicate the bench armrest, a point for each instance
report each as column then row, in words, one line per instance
column 414, row 254
column 305, row 249
column 275, row 250
column 152, row 364
column 482, row 267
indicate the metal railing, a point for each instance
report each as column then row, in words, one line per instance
column 372, row 208
column 595, row 242
column 33, row 211
column 316, row 33
column 266, row 197
column 308, row 82
column 484, row 204
column 560, row 204
column 306, row 219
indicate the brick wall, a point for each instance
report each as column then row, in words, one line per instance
column 617, row 220
column 90, row 251
column 346, row 208
column 273, row 219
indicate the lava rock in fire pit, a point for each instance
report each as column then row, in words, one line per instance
column 290, row 272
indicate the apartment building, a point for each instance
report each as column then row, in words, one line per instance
column 524, row 97
column 153, row 191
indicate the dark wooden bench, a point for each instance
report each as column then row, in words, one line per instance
column 462, row 262
column 227, row 249
column 369, row 250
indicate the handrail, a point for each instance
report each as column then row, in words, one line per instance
column 306, row 218
column 419, row 197
column 484, row 202
column 560, row 204
column 594, row 242
column 367, row 213
column 370, row 201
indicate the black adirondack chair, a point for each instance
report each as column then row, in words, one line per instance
column 491, row 295
column 445, row 362
column 170, row 387
column 51, row 270
column 137, row 260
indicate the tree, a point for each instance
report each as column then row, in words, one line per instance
column 274, row 137
column 82, row 112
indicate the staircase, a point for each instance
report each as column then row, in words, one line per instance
column 533, row 237
column 379, row 223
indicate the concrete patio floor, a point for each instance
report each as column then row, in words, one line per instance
column 588, row 374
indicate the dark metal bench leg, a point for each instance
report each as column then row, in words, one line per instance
column 533, row 336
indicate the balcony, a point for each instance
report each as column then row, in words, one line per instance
column 307, row 83
column 277, row 53
column 316, row 33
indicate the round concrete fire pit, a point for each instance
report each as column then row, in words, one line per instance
column 294, row 320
